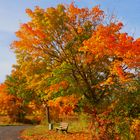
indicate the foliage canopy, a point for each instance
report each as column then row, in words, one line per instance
column 72, row 52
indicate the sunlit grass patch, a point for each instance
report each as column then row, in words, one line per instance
column 37, row 130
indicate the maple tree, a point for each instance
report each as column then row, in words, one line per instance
column 76, row 48
column 70, row 58
column 61, row 36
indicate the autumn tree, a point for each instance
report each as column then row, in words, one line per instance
column 9, row 104
column 3, row 100
column 17, row 86
column 57, row 43
column 72, row 51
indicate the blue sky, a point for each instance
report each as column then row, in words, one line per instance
column 12, row 13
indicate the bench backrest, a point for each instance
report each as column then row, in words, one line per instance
column 64, row 125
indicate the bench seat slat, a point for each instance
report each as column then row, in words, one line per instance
column 63, row 126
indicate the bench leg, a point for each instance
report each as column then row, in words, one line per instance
column 64, row 131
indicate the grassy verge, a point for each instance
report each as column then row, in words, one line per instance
column 41, row 132
column 78, row 130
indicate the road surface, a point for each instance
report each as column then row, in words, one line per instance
column 11, row 132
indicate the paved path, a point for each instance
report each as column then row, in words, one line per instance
column 11, row 132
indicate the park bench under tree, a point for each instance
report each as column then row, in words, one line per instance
column 63, row 126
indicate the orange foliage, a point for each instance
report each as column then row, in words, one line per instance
column 109, row 41
column 135, row 128
column 56, row 87
column 8, row 104
column 78, row 47
column 52, row 135
column 12, row 106
column 64, row 105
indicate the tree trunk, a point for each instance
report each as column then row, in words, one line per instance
column 48, row 114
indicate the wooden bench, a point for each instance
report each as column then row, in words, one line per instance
column 63, row 126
